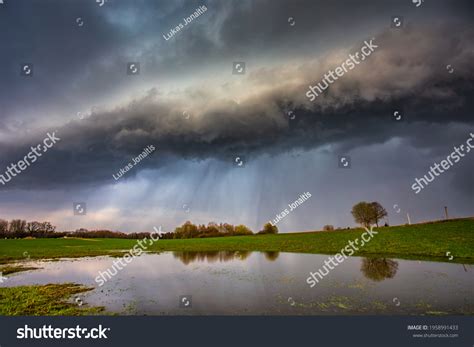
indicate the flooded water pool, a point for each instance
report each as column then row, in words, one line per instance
column 272, row 283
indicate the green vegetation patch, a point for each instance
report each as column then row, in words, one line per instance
column 9, row 269
column 45, row 300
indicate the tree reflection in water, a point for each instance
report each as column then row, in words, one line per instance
column 219, row 256
column 210, row 256
column 272, row 256
column 379, row 269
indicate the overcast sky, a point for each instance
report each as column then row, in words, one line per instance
column 200, row 116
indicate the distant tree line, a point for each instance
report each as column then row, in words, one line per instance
column 19, row 228
column 268, row 228
column 91, row 234
column 189, row 231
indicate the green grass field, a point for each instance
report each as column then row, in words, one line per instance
column 428, row 241
column 51, row 300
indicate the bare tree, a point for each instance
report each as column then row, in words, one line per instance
column 47, row 227
column 33, row 227
column 17, row 226
column 3, row 226
column 379, row 212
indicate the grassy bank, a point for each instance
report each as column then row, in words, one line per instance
column 428, row 241
column 7, row 270
column 47, row 300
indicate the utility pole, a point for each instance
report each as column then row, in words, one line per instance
column 446, row 211
column 408, row 217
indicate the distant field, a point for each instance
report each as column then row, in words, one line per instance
column 428, row 241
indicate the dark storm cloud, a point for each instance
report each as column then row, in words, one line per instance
column 77, row 64
column 407, row 72
column 46, row 34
